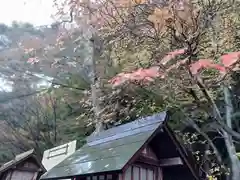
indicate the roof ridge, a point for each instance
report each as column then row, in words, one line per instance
column 122, row 134
column 153, row 119
column 113, row 146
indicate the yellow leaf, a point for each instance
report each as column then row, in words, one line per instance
column 140, row 1
column 160, row 17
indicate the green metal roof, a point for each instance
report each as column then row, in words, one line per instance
column 110, row 150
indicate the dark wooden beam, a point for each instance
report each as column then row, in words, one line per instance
column 147, row 160
column 171, row 161
column 174, row 161
column 27, row 169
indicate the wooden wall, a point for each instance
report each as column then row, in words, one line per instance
column 141, row 172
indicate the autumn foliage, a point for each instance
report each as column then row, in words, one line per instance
column 144, row 75
column 206, row 63
column 228, row 62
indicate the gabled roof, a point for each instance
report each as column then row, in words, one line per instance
column 18, row 159
column 110, row 150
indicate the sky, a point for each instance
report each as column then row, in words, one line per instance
column 37, row 12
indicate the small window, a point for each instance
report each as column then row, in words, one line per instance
column 88, row 178
column 94, row 178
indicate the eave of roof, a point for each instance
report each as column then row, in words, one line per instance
column 110, row 150
column 18, row 159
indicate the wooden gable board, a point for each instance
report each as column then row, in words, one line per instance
column 54, row 156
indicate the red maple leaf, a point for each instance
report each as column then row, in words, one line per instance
column 229, row 59
column 172, row 55
column 206, row 63
column 143, row 75
column 147, row 75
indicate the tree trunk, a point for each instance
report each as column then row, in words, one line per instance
column 95, row 87
column 235, row 163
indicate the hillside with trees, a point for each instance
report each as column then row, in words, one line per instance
column 108, row 62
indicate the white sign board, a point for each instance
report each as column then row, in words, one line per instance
column 54, row 156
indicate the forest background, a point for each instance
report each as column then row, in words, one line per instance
column 109, row 62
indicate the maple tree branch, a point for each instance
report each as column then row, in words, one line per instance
column 52, row 82
column 67, row 86
column 22, row 96
column 116, row 9
column 218, row 117
column 67, row 21
column 210, row 142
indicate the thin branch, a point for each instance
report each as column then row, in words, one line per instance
column 22, row 96
column 210, row 142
